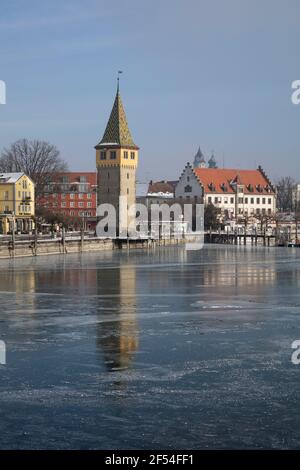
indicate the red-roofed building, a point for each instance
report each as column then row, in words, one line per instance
column 72, row 194
column 236, row 192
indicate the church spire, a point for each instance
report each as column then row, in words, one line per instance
column 117, row 131
column 212, row 162
column 199, row 160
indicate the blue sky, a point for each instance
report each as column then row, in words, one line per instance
column 215, row 73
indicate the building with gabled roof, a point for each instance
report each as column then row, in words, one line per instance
column 163, row 188
column 238, row 193
column 17, row 203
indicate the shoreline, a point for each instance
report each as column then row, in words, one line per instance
column 29, row 249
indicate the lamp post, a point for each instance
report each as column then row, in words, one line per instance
column 13, row 233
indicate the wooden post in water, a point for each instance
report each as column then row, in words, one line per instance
column 35, row 241
column 13, row 236
column 63, row 239
column 82, row 239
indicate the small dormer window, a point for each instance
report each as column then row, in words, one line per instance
column 250, row 188
column 212, row 186
column 223, row 187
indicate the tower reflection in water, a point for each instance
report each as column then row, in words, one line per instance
column 117, row 331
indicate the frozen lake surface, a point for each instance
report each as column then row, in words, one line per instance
column 159, row 349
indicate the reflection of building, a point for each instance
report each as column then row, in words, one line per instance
column 118, row 330
column 16, row 202
column 255, row 275
column 21, row 288
column 117, row 160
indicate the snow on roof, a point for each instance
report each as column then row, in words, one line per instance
column 10, row 177
column 109, row 143
column 161, row 194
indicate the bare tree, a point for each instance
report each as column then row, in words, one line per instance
column 265, row 219
column 38, row 159
column 285, row 190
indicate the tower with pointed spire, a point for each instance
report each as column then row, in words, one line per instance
column 117, row 160
column 212, row 162
column 199, row 160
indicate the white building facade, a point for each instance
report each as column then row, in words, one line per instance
column 237, row 193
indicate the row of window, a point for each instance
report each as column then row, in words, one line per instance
column 72, row 204
column 24, row 208
column 73, row 195
column 113, row 155
column 68, row 188
column 81, row 214
column 241, row 200
column 257, row 211
column 24, row 195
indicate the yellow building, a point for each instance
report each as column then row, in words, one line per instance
column 16, row 203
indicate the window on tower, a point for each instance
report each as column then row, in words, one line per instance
column 126, row 154
column 102, row 155
column 113, row 155
column 132, row 155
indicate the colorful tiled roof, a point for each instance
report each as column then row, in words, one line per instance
column 117, row 131
column 217, row 180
